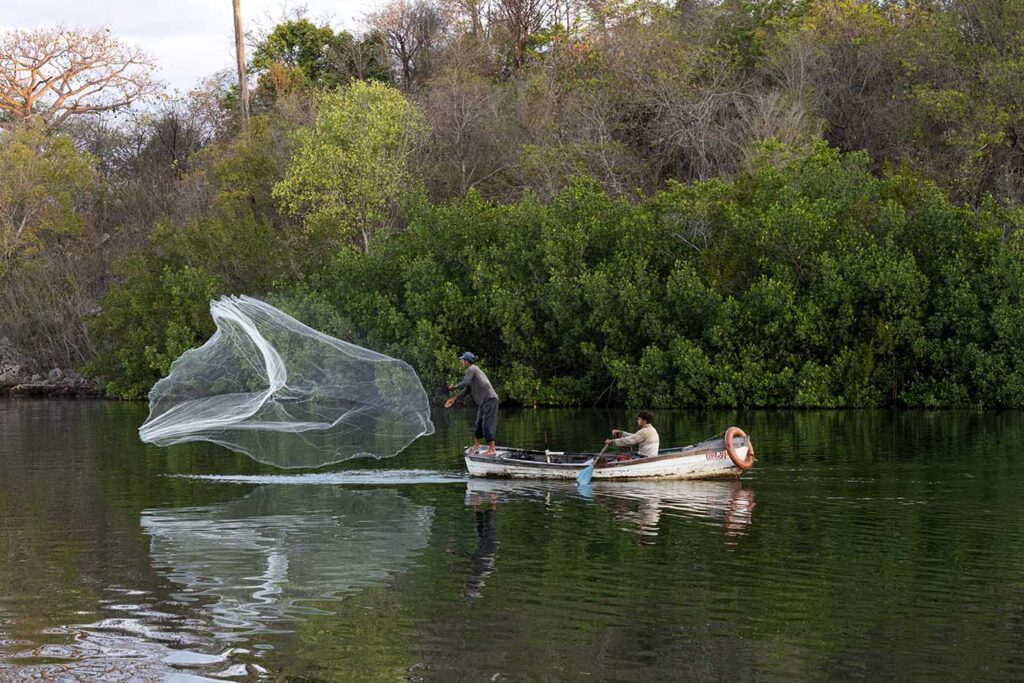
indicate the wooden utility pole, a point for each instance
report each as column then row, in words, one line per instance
column 243, row 84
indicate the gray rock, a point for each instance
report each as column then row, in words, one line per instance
column 17, row 380
column 11, row 368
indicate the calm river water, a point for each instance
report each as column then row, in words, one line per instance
column 870, row 545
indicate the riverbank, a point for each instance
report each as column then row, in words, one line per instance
column 18, row 379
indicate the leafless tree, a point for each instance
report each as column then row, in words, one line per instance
column 361, row 58
column 565, row 132
column 466, row 145
column 468, row 16
column 412, row 32
column 572, row 15
column 850, row 69
column 678, row 102
column 57, row 73
column 778, row 115
column 521, row 19
column 47, row 308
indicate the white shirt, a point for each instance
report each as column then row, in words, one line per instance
column 646, row 436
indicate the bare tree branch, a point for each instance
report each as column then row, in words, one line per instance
column 412, row 31
column 55, row 73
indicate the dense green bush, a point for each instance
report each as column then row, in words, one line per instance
column 807, row 281
column 162, row 309
column 237, row 245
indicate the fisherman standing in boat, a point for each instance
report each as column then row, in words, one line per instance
column 486, row 399
column 646, row 437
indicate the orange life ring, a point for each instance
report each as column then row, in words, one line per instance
column 746, row 464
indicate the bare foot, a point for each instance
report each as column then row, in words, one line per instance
column 473, row 450
column 490, row 452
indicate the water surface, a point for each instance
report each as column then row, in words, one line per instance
column 870, row 545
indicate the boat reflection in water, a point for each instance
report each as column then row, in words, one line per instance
column 256, row 563
column 641, row 503
column 716, row 502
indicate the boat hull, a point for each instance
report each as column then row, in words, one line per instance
column 707, row 460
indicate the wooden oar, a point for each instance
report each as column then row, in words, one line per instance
column 583, row 478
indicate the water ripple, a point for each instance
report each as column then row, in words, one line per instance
column 355, row 477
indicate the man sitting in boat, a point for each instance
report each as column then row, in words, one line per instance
column 646, row 437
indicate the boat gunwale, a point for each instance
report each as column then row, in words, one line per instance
column 674, row 453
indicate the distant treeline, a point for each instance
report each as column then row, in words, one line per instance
column 740, row 203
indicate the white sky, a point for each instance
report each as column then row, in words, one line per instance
column 190, row 39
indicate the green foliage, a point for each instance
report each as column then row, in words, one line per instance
column 880, row 268
column 154, row 318
column 300, row 53
column 50, row 262
column 806, row 282
column 301, row 44
column 160, row 307
column 966, row 98
column 351, row 166
column 747, row 28
column 43, row 185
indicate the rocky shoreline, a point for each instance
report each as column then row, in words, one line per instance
column 17, row 380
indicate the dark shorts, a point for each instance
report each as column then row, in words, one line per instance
column 486, row 420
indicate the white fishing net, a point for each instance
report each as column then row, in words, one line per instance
column 282, row 393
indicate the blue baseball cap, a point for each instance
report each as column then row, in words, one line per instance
column 466, row 355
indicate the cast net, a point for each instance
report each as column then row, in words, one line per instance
column 285, row 394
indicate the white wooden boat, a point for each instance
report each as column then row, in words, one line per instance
column 720, row 457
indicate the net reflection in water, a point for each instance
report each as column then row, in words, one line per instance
column 261, row 560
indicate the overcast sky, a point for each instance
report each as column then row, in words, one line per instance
column 190, row 39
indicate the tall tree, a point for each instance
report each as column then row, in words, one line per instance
column 297, row 55
column 521, row 20
column 365, row 58
column 57, row 73
column 350, row 168
column 466, row 145
column 301, row 44
column 412, row 32
column 43, row 183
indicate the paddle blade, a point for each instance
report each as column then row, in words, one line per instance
column 583, row 478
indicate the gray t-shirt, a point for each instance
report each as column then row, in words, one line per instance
column 476, row 382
